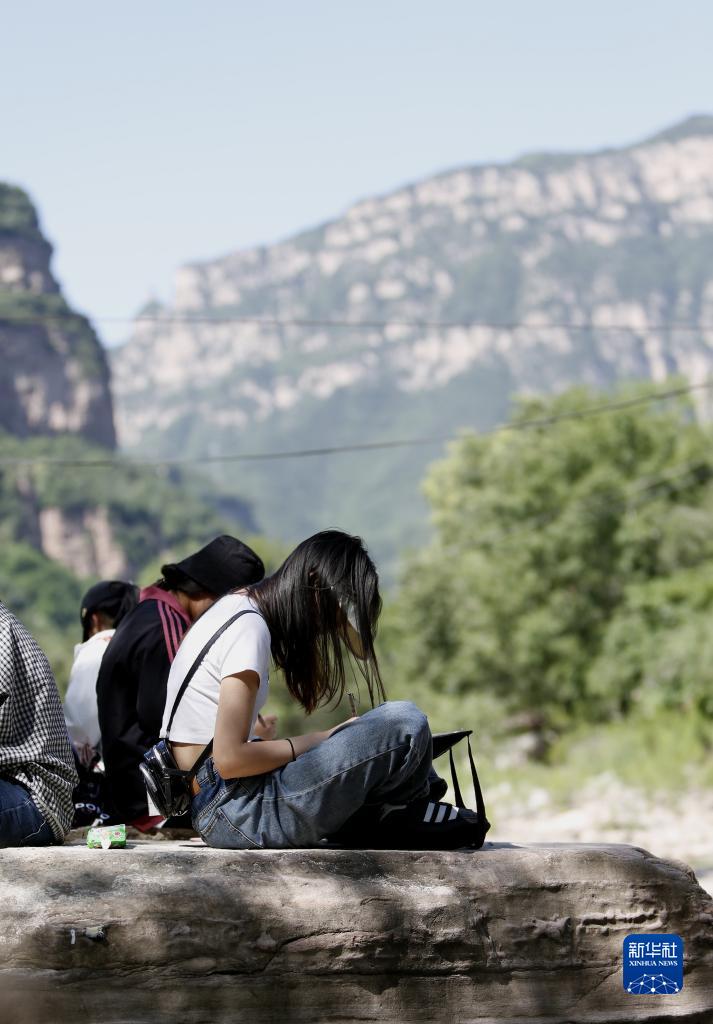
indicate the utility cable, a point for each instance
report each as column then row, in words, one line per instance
column 301, row 453
column 278, row 322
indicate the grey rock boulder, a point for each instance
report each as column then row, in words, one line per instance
column 171, row 931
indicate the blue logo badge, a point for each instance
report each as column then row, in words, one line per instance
column 653, row 965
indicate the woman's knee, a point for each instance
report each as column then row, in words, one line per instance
column 401, row 714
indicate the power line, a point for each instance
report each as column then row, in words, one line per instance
column 301, row 453
column 280, row 322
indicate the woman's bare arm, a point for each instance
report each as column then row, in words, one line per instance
column 233, row 756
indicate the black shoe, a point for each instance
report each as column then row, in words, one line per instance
column 428, row 825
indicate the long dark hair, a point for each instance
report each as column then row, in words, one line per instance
column 304, row 604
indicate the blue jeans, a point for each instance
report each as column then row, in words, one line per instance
column 21, row 822
column 382, row 757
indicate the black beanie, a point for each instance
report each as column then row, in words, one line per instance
column 115, row 598
column 221, row 566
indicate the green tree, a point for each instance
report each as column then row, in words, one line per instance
column 45, row 597
column 571, row 568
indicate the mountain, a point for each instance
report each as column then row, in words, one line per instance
column 453, row 295
column 63, row 524
column 54, row 376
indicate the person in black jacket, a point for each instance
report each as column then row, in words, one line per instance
column 131, row 687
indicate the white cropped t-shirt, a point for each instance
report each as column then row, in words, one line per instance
column 244, row 646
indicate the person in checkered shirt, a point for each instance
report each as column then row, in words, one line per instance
column 37, row 773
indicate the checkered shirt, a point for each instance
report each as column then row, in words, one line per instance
column 34, row 747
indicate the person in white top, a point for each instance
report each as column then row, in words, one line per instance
column 103, row 606
column 368, row 778
column 244, row 646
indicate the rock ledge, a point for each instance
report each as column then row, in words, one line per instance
column 170, row 931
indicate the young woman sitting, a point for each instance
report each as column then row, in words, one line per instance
column 365, row 782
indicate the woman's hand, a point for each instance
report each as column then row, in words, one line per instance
column 266, row 727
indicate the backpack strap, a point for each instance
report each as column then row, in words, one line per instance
column 184, row 686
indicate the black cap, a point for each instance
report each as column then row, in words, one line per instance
column 221, row 566
column 115, row 598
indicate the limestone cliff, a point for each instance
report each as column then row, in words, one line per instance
column 62, row 524
column 603, row 261
column 54, row 376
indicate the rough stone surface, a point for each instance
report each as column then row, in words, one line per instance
column 171, row 931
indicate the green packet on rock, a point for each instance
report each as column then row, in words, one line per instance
column 109, row 837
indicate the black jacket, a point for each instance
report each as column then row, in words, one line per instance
column 131, row 694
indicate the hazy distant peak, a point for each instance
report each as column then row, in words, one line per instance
column 538, row 163
column 696, row 124
column 17, row 212
column 596, row 258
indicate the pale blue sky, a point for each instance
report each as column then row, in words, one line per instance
column 156, row 133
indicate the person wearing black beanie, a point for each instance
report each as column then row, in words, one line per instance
column 131, row 687
column 102, row 608
column 105, row 604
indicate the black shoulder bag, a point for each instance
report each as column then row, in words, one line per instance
column 445, row 741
